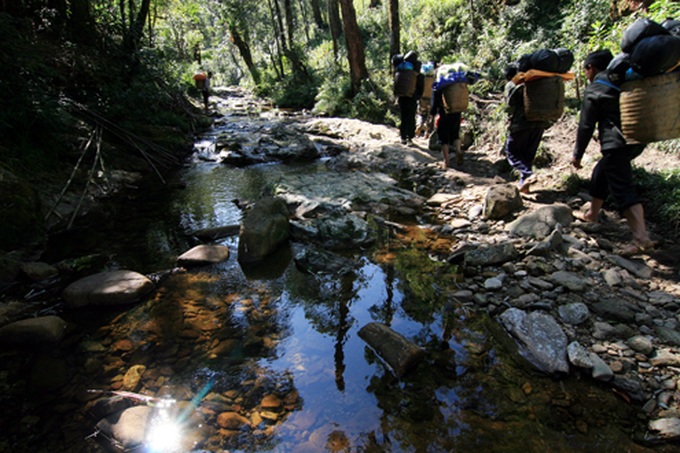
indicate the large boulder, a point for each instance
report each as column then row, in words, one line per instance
column 44, row 329
column 107, row 288
column 264, row 230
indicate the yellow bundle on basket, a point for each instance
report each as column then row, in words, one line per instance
column 650, row 108
column 455, row 97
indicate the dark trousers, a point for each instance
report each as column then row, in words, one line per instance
column 448, row 128
column 613, row 174
column 520, row 149
column 407, row 108
column 206, row 96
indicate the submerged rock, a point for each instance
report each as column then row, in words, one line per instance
column 264, row 230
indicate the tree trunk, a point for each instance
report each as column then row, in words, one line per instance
column 279, row 38
column 279, row 20
column 244, row 49
column 395, row 45
column 79, row 20
column 335, row 24
column 288, row 8
column 355, row 46
column 135, row 31
column 318, row 18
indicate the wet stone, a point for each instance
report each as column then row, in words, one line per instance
column 575, row 313
column 579, row 356
column 44, row 329
column 271, row 402
column 202, row 255
column 641, row 344
column 232, row 421
column 569, row 280
column 107, row 288
column 668, row 335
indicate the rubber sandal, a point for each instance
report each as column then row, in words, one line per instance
column 637, row 248
column 525, row 186
column 580, row 215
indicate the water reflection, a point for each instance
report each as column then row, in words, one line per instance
column 288, row 371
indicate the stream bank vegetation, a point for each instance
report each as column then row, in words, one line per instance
column 75, row 65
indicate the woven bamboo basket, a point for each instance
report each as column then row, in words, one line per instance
column 650, row 108
column 405, row 83
column 427, row 87
column 544, row 99
column 456, row 97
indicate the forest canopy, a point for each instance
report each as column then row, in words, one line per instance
column 133, row 60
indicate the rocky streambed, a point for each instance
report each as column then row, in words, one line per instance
column 554, row 290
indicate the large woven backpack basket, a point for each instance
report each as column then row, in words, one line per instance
column 544, row 99
column 405, row 83
column 650, row 108
column 455, row 97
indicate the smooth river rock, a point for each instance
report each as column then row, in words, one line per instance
column 107, row 288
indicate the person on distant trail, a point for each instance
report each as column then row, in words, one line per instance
column 613, row 172
column 425, row 121
column 205, row 91
column 408, row 105
column 524, row 136
column 447, row 126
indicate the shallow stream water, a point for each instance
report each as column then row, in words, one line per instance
column 278, row 351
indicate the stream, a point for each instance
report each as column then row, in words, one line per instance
column 270, row 359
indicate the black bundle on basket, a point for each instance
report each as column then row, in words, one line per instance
column 544, row 99
column 548, row 60
column 650, row 108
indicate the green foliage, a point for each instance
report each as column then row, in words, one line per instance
column 290, row 92
column 662, row 198
column 332, row 97
column 371, row 103
column 664, row 9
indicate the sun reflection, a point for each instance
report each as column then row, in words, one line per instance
column 165, row 433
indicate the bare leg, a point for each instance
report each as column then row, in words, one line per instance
column 635, row 215
column 459, row 152
column 445, row 154
column 594, row 210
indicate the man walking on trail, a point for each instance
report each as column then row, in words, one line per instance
column 524, row 136
column 613, row 172
column 205, row 91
